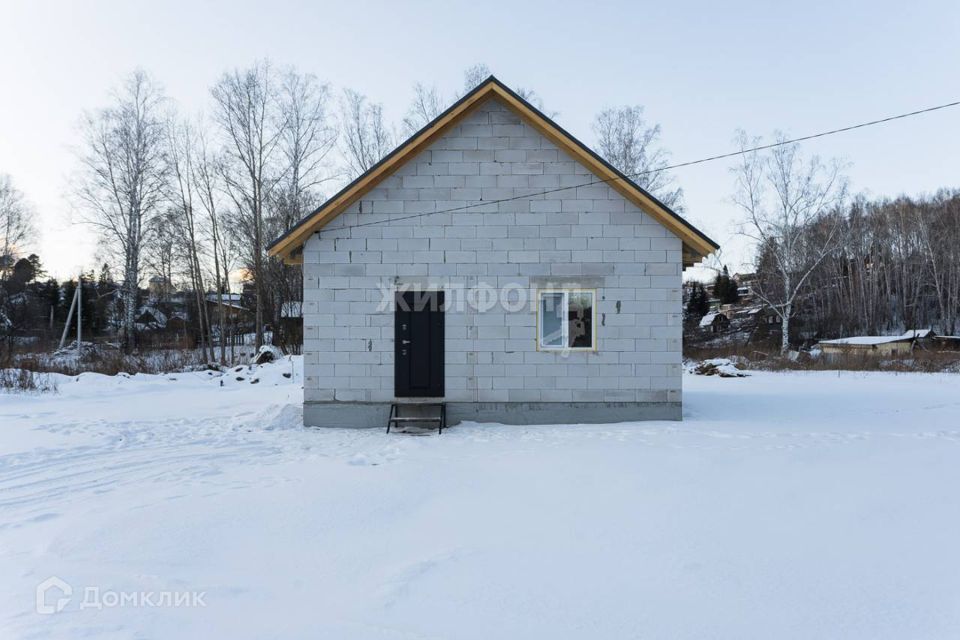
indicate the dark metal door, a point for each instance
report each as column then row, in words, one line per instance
column 418, row 349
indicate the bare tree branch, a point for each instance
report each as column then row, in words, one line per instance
column 625, row 140
column 124, row 168
column 791, row 210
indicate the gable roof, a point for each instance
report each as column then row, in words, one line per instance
column 709, row 318
column 696, row 245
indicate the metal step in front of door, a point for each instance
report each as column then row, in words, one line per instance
column 422, row 414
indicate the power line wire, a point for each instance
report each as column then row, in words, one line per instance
column 689, row 163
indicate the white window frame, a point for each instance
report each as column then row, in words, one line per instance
column 566, row 324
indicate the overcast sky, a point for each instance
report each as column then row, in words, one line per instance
column 700, row 69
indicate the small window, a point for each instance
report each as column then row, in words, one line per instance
column 566, row 319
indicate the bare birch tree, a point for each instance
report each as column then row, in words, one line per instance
column 16, row 223
column 365, row 138
column 534, row 98
column 791, row 214
column 474, row 75
column 938, row 225
column 308, row 137
column 120, row 185
column 896, row 266
column 160, row 252
column 632, row 146
column 206, row 179
column 247, row 114
column 426, row 105
column 183, row 158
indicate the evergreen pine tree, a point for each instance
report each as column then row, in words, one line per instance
column 38, row 270
column 719, row 286
column 725, row 288
column 698, row 304
column 50, row 292
column 91, row 324
column 106, row 288
column 105, row 281
column 733, row 293
column 703, row 307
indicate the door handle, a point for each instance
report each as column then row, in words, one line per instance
column 404, row 342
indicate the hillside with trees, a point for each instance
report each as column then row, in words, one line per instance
column 184, row 206
column 868, row 267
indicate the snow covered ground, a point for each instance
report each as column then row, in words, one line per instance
column 800, row 505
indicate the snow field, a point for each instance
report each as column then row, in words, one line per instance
column 792, row 505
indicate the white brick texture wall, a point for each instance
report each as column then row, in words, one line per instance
column 587, row 237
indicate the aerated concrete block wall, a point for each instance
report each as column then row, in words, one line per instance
column 589, row 237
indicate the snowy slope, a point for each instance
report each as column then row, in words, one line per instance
column 801, row 505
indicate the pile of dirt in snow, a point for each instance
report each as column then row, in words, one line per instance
column 267, row 353
column 283, row 370
column 723, row 367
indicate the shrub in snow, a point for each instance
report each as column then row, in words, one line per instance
column 88, row 351
column 15, row 380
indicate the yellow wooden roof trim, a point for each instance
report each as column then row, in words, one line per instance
column 696, row 245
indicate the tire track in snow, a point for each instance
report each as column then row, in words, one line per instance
column 130, row 453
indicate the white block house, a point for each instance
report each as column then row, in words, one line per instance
column 494, row 263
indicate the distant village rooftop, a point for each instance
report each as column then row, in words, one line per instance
column 868, row 340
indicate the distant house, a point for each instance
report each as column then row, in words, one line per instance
column 947, row 343
column 233, row 309
column 758, row 315
column 928, row 339
column 149, row 318
column 159, row 287
column 766, row 315
column 176, row 322
column 882, row 346
column 714, row 322
column 920, row 335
